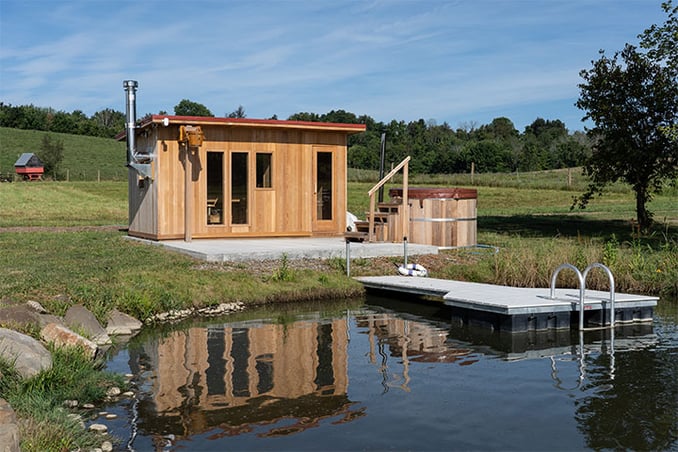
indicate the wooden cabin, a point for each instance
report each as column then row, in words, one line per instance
column 29, row 166
column 205, row 177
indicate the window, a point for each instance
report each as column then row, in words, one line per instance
column 264, row 170
column 215, row 188
column 239, row 188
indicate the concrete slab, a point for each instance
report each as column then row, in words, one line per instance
column 235, row 250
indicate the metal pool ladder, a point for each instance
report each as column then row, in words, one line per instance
column 582, row 291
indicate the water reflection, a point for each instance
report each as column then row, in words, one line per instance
column 285, row 376
column 409, row 341
column 235, row 376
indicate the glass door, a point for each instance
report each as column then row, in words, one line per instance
column 239, row 188
column 215, row 187
column 324, row 196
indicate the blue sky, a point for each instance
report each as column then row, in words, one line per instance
column 462, row 62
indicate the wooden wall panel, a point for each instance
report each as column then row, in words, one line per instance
column 284, row 209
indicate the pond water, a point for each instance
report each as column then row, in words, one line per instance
column 381, row 374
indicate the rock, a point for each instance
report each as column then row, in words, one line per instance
column 7, row 415
column 128, row 394
column 26, row 314
column 63, row 337
column 110, row 416
column 9, row 431
column 87, row 406
column 113, row 391
column 37, row 307
column 70, row 403
column 78, row 317
column 98, row 428
column 9, row 438
column 46, row 319
column 107, row 446
column 28, row 355
column 20, row 315
column 122, row 324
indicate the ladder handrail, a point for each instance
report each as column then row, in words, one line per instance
column 554, row 276
column 582, row 288
column 611, row 278
column 388, row 176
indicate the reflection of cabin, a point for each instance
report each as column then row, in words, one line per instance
column 233, row 376
column 225, row 177
column 29, row 166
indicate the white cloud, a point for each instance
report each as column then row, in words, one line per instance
column 388, row 59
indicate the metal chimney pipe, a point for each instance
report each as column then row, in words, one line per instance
column 131, row 117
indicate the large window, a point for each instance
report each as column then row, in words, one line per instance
column 264, row 179
column 215, row 188
column 239, row 172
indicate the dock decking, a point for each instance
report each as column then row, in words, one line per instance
column 517, row 309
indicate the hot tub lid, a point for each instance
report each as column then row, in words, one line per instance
column 435, row 193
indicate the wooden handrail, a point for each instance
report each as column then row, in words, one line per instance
column 405, row 214
column 388, row 176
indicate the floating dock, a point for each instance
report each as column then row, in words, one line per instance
column 518, row 309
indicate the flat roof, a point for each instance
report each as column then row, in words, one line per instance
column 246, row 122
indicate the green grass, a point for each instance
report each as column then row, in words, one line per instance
column 103, row 270
column 63, row 204
column 85, row 158
column 44, row 422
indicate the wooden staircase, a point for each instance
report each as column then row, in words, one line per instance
column 385, row 221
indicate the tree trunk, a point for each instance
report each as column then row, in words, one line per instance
column 644, row 217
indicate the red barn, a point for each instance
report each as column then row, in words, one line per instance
column 29, row 166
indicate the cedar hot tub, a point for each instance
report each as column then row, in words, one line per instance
column 444, row 217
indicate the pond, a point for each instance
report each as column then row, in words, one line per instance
column 381, row 374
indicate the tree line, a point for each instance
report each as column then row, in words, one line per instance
column 438, row 148
column 105, row 123
column 434, row 148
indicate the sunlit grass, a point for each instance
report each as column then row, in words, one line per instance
column 63, row 203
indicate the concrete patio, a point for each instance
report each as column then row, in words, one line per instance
column 235, row 250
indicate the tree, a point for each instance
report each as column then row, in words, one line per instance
column 661, row 45
column 238, row 112
column 190, row 108
column 51, row 153
column 631, row 98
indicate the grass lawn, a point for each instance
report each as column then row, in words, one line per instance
column 535, row 230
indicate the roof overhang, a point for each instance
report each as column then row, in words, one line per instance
column 167, row 120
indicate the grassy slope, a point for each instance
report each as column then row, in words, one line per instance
column 83, row 155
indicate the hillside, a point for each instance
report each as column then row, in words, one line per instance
column 83, row 155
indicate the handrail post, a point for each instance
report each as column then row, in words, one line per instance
column 611, row 279
column 370, row 232
column 581, row 289
column 406, row 204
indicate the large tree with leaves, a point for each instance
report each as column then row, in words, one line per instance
column 632, row 99
column 189, row 108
